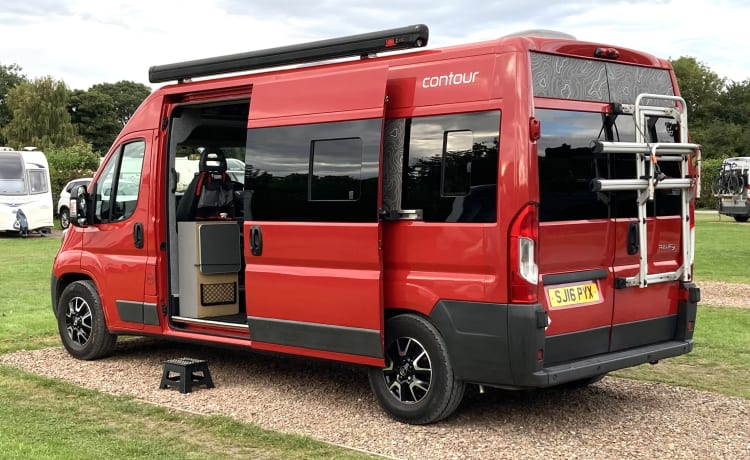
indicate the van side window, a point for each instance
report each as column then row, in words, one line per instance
column 119, row 183
column 450, row 166
column 336, row 170
column 325, row 172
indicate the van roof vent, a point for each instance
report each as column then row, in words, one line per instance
column 354, row 45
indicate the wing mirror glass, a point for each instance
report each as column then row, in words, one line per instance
column 80, row 201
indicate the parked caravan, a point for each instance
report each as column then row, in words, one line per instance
column 515, row 213
column 25, row 192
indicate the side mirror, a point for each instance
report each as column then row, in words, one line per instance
column 79, row 206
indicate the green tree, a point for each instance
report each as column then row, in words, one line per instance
column 735, row 103
column 126, row 96
column 40, row 116
column 719, row 138
column 72, row 162
column 10, row 77
column 93, row 114
column 700, row 87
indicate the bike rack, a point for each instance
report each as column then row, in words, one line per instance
column 648, row 180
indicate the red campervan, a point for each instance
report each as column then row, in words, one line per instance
column 514, row 213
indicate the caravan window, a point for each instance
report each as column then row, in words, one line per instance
column 37, row 182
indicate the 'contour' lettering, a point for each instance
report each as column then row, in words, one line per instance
column 450, row 79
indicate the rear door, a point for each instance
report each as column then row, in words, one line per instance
column 312, row 235
column 576, row 235
column 645, row 315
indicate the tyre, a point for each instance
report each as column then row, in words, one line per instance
column 741, row 218
column 417, row 385
column 80, row 321
column 64, row 218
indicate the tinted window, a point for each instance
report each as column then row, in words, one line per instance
column 118, row 185
column 450, row 169
column 336, row 170
column 567, row 165
column 325, row 172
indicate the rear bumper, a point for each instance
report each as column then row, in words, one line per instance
column 589, row 367
column 500, row 344
column 739, row 207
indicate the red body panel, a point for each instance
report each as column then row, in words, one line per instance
column 578, row 246
column 664, row 243
column 316, row 273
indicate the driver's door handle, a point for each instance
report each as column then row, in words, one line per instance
column 138, row 235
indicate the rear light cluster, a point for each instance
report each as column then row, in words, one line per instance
column 523, row 256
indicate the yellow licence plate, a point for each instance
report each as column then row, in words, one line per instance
column 573, row 294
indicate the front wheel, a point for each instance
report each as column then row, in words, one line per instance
column 64, row 218
column 80, row 321
column 741, row 218
column 417, row 385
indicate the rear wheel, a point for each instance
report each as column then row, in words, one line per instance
column 80, row 321
column 417, row 385
column 741, row 218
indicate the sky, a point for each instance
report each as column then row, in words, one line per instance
column 85, row 42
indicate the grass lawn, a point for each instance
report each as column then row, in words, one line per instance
column 722, row 249
column 26, row 319
column 719, row 362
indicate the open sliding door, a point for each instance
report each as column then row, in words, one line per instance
column 313, row 275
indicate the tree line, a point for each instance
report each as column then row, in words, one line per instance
column 719, row 117
column 76, row 127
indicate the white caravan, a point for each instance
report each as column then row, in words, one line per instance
column 25, row 187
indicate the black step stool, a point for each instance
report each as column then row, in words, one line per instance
column 189, row 372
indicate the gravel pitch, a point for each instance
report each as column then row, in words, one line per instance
column 612, row 419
